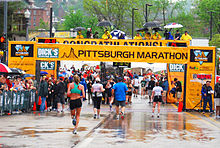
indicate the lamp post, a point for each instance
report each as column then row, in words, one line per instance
column 27, row 16
column 146, row 11
column 133, row 22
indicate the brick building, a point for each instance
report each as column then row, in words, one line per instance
column 38, row 13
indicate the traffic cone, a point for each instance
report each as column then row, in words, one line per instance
column 180, row 107
column 39, row 100
column 34, row 107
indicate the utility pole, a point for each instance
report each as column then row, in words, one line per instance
column 5, row 31
column 211, row 18
column 133, row 22
column 51, row 21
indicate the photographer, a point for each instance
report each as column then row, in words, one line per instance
column 207, row 92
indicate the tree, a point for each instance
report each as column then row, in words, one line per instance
column 12, row 8
column 215, row 41
column 43, row 25
column 78, row 19
column 202, row 7
column 119, row 12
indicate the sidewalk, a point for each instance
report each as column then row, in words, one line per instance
column 47, row 129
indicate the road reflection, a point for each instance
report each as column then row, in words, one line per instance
column 140, row 126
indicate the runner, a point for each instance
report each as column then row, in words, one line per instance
column 111, row 99
column 135, row 83
column 151, row 85
column 119, row 91
column 129, row 92
column 97, row 90
column 74, row 91
column 157, row 98
column 143, row 87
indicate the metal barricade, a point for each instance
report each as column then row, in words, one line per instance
column 12, row 101
column 1, row 103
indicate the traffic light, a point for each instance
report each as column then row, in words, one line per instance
column 2, row 43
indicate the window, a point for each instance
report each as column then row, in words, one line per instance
column 34, row 18
column 35, row 12
column 34, row 24
column 47, row 13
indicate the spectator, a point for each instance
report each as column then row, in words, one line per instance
column 177, row 35
column 147, row 36
column 89, row 33
column 165, row 87
column 43, row 93
column 178, row 89
column 60, row 95
column 207, row 96
column 106, row 35
column 186, row 37
column 138, row 36
column 79, row 36
column 217, row 89
column 156, row 36
column 96, row 35
column 50, row 95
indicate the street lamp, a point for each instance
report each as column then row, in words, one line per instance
column 53, row 31
column 133, row 22
column 146, row 11
column 27, row 16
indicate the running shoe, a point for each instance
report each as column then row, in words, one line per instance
column 122, row 115
column 75, row 131
column 94, row 116
column 98, row 116
column 110, row 107
column 158, row 115
column 74, row 121
column 152, row 115
column 117, row 117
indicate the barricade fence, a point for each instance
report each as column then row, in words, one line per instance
column 11, row 101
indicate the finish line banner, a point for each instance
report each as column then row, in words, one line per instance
column 111, row 53
column 160, row 43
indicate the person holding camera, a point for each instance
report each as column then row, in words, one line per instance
column 207, row 92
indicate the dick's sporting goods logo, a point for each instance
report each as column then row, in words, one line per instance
column 201, row 56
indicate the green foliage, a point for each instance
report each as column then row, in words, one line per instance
column 215, row 41
column 78, row 19
column 43, row 25
column 202, row 7
column 190, row 23
column 12, row 8
column 119, row 12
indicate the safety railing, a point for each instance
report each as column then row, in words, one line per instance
column 11, row 101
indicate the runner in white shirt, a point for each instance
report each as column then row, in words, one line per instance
column 157, row 98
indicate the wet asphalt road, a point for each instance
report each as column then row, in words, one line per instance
column 138, row 129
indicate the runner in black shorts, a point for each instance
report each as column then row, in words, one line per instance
column 74, row 92
column 129, row 92
column 157, row 98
